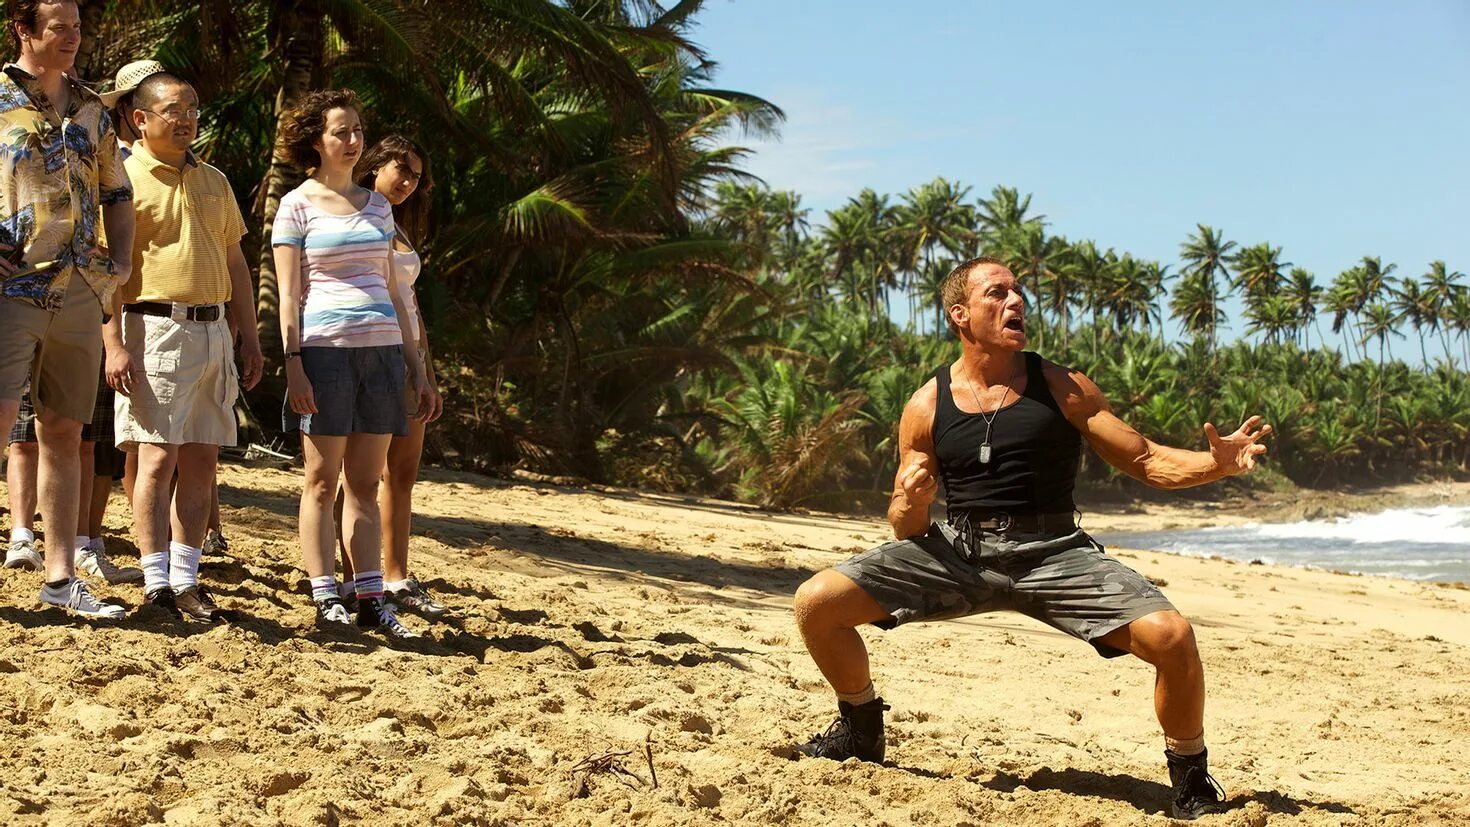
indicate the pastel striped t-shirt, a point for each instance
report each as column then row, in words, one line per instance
column 344, row 271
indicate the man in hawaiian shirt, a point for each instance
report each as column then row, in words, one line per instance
column 59, row 168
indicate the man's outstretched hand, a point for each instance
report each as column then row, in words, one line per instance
column 1236, row 453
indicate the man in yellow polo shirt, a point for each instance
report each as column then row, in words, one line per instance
column 170, row 356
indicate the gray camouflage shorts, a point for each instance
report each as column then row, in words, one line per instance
column 1066, row 582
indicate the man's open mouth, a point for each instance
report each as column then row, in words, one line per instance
column 1016, row 324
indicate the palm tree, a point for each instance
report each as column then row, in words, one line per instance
column 1379, row 322
column 1005, row 209
column 1259, row 270
column 1039, row 260
column 1095, row 272
column 1443, row 285
column 1457, row 316
column 1206, row 255
column 930, row 220
column 1275, row 315
column 1304, row 294
column 1417, row 305
column 1194, row 305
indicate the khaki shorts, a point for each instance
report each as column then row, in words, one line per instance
column 185, row 383
column 1065, row 581
column 59, row 352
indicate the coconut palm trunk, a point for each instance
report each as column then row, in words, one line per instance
column 88, row 63
column 298, row 31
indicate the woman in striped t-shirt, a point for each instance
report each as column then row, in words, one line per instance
column 349, row 349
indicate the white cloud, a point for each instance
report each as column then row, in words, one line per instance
column 827, row 151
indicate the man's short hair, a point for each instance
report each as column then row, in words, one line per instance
column 153, row 88
column 20, row 13
column 956, row 286
column 305, row 123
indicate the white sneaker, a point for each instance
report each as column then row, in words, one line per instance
column 94, row 562
column 331, row 614
column 23, row 555
column 75, row 598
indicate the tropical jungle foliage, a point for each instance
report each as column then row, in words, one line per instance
column 610, row 297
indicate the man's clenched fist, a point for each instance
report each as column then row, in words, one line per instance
column 919, row 486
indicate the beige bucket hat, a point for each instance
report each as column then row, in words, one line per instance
column 128, row 78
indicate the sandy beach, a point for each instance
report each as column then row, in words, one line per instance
column 620, row 658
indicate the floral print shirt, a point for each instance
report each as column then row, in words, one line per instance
column 55, row 175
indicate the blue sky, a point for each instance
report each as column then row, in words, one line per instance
column 1333, row 129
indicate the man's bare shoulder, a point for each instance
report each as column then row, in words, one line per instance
column 1071, row 388
column 918, row 412
column 927, row 396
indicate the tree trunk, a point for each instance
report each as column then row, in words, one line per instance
column 89, row 57
column 298, row 34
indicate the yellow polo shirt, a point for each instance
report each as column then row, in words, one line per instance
column 187, row 221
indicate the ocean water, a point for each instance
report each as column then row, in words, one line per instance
column 1418, row 543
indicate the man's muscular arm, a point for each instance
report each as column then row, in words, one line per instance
column 1124, row 448
column 917, row 481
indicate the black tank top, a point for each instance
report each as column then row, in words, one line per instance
column 1034, row 451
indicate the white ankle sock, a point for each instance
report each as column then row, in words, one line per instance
column 183, row 566
column 325, row 588
column 155, row 571
column 18, row 534
column 368, row 584
column 395, row 585
column 859, row 697
column 1185, row 746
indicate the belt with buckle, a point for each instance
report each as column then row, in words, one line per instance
column 1002, row 522
column 178, row 312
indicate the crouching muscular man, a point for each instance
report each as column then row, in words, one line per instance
column 1003, row 430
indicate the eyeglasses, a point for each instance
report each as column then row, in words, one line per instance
column 175, row 115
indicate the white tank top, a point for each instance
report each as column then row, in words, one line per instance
column 409, row 267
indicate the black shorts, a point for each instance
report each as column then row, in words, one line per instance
column 358, row 390
column 1066, row 582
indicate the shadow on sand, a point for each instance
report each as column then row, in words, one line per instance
column 1148, row 796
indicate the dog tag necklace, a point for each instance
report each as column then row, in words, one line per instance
column 989, row 420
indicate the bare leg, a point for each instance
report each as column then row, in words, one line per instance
column 347, row 570
column 58, row 484
column 829, row 608
column 196, row 473
column 97, row 508
column 86, row 462
column 214, row 520
column 155, row 469
column 361, row 523
column 399, row 476
column 130, row 474
column 1166, row 641
column 323, row 467
column 20, row 480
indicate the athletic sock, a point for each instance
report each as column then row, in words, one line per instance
column 155, row 571
column 394, row 585
column 345, row 590
column 859, row 697
column 19, row 534
column 183, row 566
column 81, row 543
column 1185, row 746
column 96, row 544
column 368, row 584
column 59, row 585
column 324, row 588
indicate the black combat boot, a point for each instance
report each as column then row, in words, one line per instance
column 1196, row 792
column 858, row 733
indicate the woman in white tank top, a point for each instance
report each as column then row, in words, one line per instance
column 398, row 169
